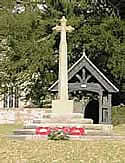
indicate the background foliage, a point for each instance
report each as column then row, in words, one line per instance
column 29, row 47
column 118, row 115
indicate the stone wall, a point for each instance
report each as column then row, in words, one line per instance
column 23, row 115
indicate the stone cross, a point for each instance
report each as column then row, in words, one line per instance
column 63, row 72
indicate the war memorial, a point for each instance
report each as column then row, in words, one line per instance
column 84, row 78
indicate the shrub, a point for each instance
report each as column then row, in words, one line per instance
column 118, row 115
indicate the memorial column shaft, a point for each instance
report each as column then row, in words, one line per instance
column 62, row 104
column 63, row 79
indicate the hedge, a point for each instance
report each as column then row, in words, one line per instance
column 118, row 115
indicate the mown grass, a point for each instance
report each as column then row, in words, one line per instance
column 41, row 151
column 119, row 130
column 6, row 129
column 15, row 151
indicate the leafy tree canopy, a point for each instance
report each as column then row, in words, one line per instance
column 29, row 47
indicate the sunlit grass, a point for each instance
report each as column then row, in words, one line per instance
column 9, row 128
column 62, row 151
column 41, row 151
column 119, row 130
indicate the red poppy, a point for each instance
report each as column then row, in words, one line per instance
column 43, row 131
column 66, row 129
column 69, row 130
column 77, row 131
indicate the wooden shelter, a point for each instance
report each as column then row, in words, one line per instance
column 86, row 78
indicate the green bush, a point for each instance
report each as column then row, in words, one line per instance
column 118, row 115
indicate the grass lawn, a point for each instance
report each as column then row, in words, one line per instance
column 119, row 130
column 9, row 128
column 38, row 151
column 62, row 151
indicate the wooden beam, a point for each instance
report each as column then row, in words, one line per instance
column 110, row 108
column 100, row 107
column 83, row 74
column 79, row 78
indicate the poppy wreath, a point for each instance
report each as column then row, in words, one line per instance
column 58, row 135
column 77, row 131
column 67, row 130
column 43, row 131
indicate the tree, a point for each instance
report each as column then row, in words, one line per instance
column 120, row 6
column 31, row 52
column 27, row 60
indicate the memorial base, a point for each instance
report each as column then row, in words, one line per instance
column 62, row 106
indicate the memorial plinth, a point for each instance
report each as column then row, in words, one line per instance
column 62, row 106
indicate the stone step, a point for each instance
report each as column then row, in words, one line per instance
column 19, row 137
column 63, row 115
column 32, row 132
column 81, row 138
column 24, row 132
column 86, row 126
column 76, row 121
column 95, row 132
column 90, row 129
column 28, row 137
column 107, row 129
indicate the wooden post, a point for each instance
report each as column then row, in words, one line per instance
column 100, row 107
column 109, row 108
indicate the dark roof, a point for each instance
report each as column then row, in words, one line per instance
column 84, row 62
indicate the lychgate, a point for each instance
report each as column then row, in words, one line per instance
column 87, row 84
